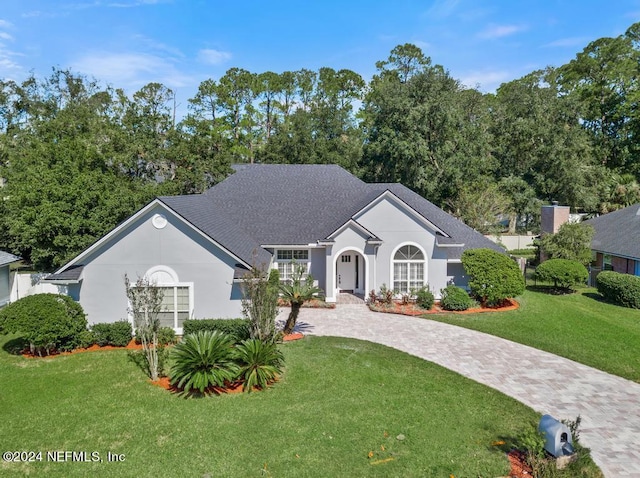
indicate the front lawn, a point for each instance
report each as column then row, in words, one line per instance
column 577, row 326
column 343, row 408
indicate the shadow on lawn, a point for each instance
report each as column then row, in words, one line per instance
column 301, row 326
column 551, row 290
column 595, row 296
column 15, row 346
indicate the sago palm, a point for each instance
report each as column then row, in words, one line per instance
column 202, row 360
column 259, row 363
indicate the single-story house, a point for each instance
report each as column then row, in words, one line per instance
column 351, row 236
column 616, row 242
column 6, row 260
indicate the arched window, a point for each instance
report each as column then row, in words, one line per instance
column 408, row 269
column 177, row 297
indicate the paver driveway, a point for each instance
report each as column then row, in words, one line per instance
column 609, row 405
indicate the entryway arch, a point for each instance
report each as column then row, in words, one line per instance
column 351, row 265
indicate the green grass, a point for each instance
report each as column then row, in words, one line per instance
column 577, row 326
column 338, row 400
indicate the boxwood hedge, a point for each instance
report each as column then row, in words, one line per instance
column 620, row 289
column 237, row 328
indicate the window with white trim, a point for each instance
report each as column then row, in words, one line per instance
column 287, row 259
column 408, row 269
column 175, row 306
column 177, row 297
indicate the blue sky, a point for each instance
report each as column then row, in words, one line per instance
column 180, row 43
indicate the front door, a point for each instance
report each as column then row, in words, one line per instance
column 347, row 272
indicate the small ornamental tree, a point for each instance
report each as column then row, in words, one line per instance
column 572, row 241
column 49, row 322
column 493, row 277
column 145, row 303
column 300, row 290
column 564, row 273
column 260, row 303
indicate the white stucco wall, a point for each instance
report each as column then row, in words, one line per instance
column 390, row 220
column 141, row 246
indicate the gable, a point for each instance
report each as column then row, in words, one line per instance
column 387, row 214
column 134, row 241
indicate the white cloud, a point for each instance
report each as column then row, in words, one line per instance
column 132, row 70
column 442, row 8
column 5, row 24
column 135, row 3
column 568, row 42
column 213, row 57
column 487, row 81
column 499, row 31
column 9, row 68
column 5, row 36
column 159, row 46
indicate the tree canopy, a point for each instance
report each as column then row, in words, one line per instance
column 77, row 157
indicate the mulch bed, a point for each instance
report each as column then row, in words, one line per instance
column 310, row 304
column 94, row 348
column 413, row 310
column 519, row 467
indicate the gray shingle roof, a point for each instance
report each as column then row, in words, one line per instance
column 618, row 232
column 299, row 204
column 212, row 219
column 71, row 274
column 7, row 258
column 288, row 204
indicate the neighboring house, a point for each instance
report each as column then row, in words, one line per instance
column 6, row 260
column 616, row 242
column 351, row 236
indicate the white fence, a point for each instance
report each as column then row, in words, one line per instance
column 513, row 242
column 26, row 283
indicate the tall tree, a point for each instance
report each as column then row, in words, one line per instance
column 603, row 79
column 539, row 138
column 423, row 129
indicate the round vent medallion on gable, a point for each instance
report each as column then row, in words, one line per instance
column 159, row 221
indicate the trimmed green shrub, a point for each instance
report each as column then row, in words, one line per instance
column 493, row 277
column 455, row 298
column 117, row 333
column 49, row 322
column 166, row 336
column 203, row 360
column 424, row 298
column 101, row 334
column 237, row 328
column 620, row 289
column 564, row 273
column 86, row 339
column 259, row 363
column 120, row 333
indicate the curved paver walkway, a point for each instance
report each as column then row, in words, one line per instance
column 609, row 405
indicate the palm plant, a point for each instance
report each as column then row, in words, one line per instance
column 259, row 363
column 297, row 292
column 202, row 360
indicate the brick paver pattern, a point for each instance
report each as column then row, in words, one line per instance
column 609, row 405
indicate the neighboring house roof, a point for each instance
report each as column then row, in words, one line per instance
column 617, row 233
column 7, row 258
